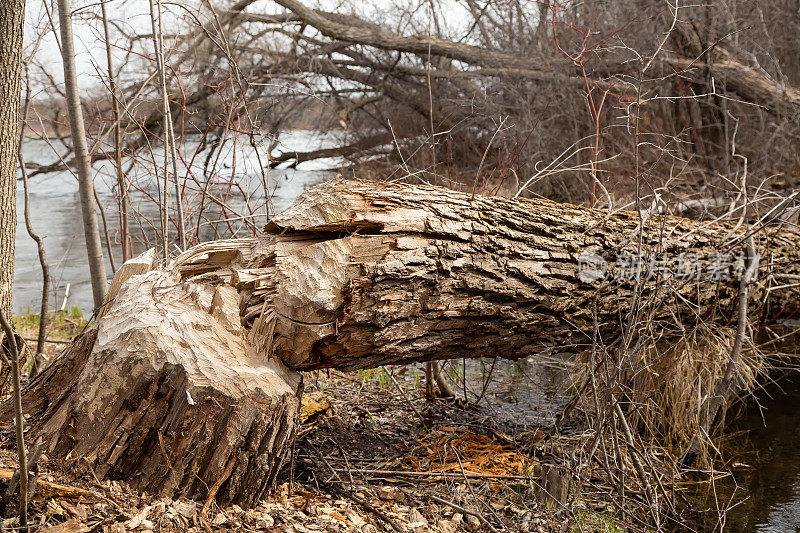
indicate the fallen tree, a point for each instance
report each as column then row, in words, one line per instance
column 370, row 275
column 748, row 82
column 189, row 378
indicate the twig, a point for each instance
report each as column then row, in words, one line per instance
column 726, row 383
column 485, row 153
column 51, row 341
column 346, row 462
column 417, row 473
column 35, row 236
column 127, row 251
column 408, row 400
column 11, row 342
column 170, row 150
column 33, row 458
column 430, row 393
column 212, row 493
column 106, row 235
column 366, row 505
column 66, row 297
column 465, row 511
column 469, row 485
column 47, row 489
column 637, row 463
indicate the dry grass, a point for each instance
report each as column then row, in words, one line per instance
column 62, row 325
column 668, row 385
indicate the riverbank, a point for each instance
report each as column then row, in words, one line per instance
column 374, row 455
column 366, row 461
column 374, row 451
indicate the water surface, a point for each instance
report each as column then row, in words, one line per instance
column 765, row 494
column 56, row 212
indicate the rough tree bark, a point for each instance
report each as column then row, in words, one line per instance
column 12, row 14
column 369, row 275
column 191, row 373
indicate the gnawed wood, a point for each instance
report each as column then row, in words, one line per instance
column 370, row 274
column 49, row 489
column 359, row 274
column 166, row 391
column 132, row 267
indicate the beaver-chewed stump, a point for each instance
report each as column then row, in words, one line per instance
column 188, row 383
column 167, row 393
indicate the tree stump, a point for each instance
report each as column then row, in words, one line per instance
column 167, row 393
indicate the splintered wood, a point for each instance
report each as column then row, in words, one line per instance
column 168, row 392
column 358, row 274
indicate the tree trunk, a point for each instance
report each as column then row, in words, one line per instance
column 12, row 14
column 371, row 274
column 91, row 230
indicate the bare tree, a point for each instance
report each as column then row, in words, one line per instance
column 38, row 358
column 122, row 185
column 12, row 15
column 91, row 229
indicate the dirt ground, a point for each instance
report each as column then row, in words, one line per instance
column 369, row 457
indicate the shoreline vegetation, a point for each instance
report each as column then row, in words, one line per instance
column 578, row 256
column 399, row 459
column 376, row 434
column 61, row 325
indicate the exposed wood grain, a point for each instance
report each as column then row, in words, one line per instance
column 165, row 391
column 49, row 489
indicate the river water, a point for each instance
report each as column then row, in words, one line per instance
column 763, row 491
column 765, row 494
column 56, row 211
